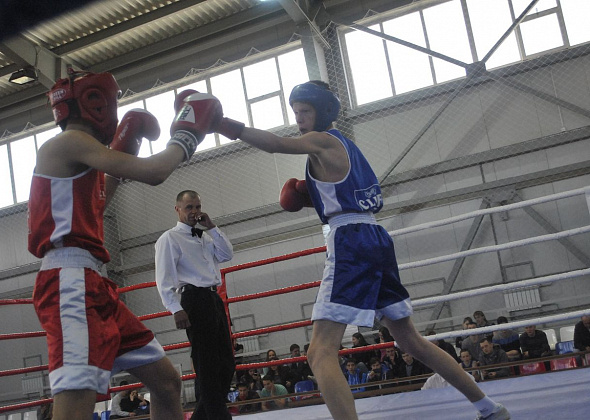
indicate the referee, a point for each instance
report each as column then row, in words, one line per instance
column 187, row 276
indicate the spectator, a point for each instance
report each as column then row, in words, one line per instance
column 353, row 374
column 471, row 343
column 412, row 367
column 297, row 371
column 269, row 353
column 466, row 321
column 376, row 373
column 358, row 340
column 508, row 340
column 582, row 334
column 468, row 362
column 534, row 343
column 253, row 379
column 278, row 373
column 244, row 394
column 492, row 355
column 238, row 348
column 444, row 346
column 272, row 390
column 127, row 403
column 481, row 320
column 384, row 336
column 392, row 358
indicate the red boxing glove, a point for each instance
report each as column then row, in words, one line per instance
column 179, row 100
column 194, row 120
column 134, row 126
column 199, row 113
column 294, row 195
column 301, row 187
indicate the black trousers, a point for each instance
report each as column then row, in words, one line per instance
column 211, row 352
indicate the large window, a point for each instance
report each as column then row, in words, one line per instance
column 463, row 30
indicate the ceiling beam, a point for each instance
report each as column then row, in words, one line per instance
column 48, row 65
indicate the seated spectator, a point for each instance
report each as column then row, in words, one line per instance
column 392, row 358
column 467, row 320
column 352, row 374
column 252, row 378
column 481, row 320
column 534, row 343
column 342, row 359
column 273, row 390
column 278, row 373
column 376, row 373
column 364, row 358
column 412, row 367
column 238, row 348
column 582, row 334
column 244, row 394
column 269, row 353
column 508, row 340
column 471, row 343
column 492, row 355
column 443, row 345
column 128, row 403
column 296, row 371
column 384, row 335
column 468, row 362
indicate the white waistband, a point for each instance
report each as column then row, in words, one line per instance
column 351, row 218
column 70, row 257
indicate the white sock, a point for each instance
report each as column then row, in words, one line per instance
column 485, row 406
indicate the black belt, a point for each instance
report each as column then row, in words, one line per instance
column 188, row 287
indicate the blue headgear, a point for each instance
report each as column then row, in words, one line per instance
column 323, row 100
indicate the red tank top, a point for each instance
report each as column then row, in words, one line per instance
column 67, row 212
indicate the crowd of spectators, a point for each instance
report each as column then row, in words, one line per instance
column 476, row 353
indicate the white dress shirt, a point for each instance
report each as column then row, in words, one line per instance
column 185, row 259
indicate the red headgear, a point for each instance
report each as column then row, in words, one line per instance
column 91, row 97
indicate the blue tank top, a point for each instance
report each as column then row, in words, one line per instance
column 359, row 191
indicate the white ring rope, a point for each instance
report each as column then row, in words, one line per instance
column 492, row 248
column 500, row 287
column 512, row 325
column 539, row 200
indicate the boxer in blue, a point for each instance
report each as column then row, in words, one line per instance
column 361, row 278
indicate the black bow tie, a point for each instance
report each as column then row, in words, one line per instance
column 198, row 232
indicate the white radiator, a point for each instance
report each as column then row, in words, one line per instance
column 250, row 344
column 33, row 385
column 525, row 298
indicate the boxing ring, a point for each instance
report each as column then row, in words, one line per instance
column 541, row 396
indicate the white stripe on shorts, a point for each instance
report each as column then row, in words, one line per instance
column 72, row 304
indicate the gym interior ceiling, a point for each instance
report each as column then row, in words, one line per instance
column 143, row 42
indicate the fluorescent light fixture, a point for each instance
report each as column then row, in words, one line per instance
column 23, row 76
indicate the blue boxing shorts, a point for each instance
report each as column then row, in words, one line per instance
column 361, row 279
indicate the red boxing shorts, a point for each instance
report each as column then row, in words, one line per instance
column 91, row 334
